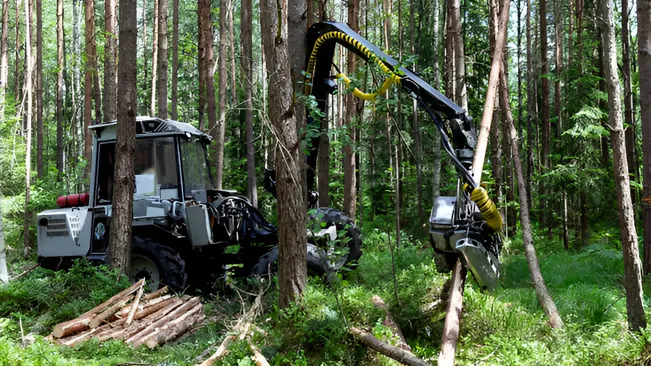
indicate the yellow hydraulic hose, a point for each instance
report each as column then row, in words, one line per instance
column 393, row 79
column 311, row 65
column 487, row 208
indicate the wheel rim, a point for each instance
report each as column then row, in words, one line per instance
column 144, row 267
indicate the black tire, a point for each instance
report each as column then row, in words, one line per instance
column 269, row 263
column 168, row 262
column 330, row 217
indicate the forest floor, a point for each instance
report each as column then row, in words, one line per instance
column 506, row 327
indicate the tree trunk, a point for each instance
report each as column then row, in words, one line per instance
column 435, row 43
column 207, row 56
column 17, row 94
column 162, row 59
column 461, row 93
column 4, row 59
column 39, row 89
column 231, row 38
column 545, row 299
column 28, row 127
column 558, row 107
column 544, row 110
column 350, row 184
column 220, row 131
column 296, row 36
column 203, row 13
column 110, row 57
column 579, row 36
column 246, row 34
column 495, row 133
column 60, row 91
column 453, row 317
column 4, row 276
column 125, row 146
column 291, row 200
column 154, row 59
column 491, row 93
column 531, row 106
column 449, row 53
column 144, row 51
column 415, row 125
column 175, row 59
column 88, row 78
column 632, row 265
column 644, row 56
column 629, row 121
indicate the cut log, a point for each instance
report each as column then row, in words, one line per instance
column 390, row 322
column 144, row 305
column 82, row 322
column 258, row 358
column 137, row 338
column 400, row 355
column 71, row 327
column 135, row 328
column 134, row 306
column 171, row 332
column 170, row 329
column 104, row 316
column 108, row 303
column 155, row 294
column 82, row 337
column 451, row 325
column 222, row 350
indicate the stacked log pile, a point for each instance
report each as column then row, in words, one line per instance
column 152, row 319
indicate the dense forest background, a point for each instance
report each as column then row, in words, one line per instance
column 58, row 63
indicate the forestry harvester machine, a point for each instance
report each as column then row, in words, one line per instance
column 185, row 231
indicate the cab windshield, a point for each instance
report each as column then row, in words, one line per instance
column 196, row 175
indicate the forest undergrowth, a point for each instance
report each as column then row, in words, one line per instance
column 506, row 327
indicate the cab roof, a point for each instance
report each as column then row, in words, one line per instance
column 153, row 125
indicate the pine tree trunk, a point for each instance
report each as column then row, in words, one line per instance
column 531, row 103
column 203, row 11
column 220, row 131
column 60, row 91
column 644, row 57
column 537, row 279
column 110, row 56
column 435, row 43
column 545, row 220
column 450, row 84
column 246, row 61
column 125, row 147
column 154, row 59
column 39, row 89
column 17, row 95
column 145, row 58
column 632, row 265
column 89, row 33
column 28, row 128
column 461, row 93
column 162, row 59
column 4, row 276
column 495, row 132
column 4, row 59
column 558, row 107
column 350, row 184
column 629, row 121
column 415, row 125
column 291, row 201
column 175, row 60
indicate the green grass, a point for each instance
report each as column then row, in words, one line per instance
column 506, row 327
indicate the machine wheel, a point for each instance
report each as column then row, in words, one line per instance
column 269, row 262
column 325, row 220
column 159, row 264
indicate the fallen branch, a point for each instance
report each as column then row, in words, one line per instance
column 390, row 322
column 400, row 355
column 108, row 313
column 258, row 358
column 25, row 272
column 222, row 350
